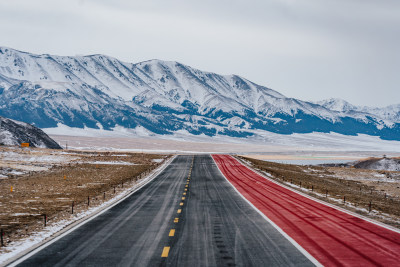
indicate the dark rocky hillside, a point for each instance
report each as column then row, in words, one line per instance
column 14, row 133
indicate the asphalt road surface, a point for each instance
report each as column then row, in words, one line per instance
column 331, row 236
column 188, row 216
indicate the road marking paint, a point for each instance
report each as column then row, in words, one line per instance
column 172, row 232
column 185, row 189
column 179, row 211
column 184, row 193
column 183, row 198
column 181, row 204
column 165, row 252
column 186, row 185
column 176, row 220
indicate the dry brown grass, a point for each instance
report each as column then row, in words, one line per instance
column 340, row 183
column 52, row 192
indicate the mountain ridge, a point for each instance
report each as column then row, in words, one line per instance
column 164, row 97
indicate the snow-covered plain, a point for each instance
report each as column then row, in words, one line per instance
column 139, row 139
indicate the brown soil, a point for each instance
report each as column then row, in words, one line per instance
column 52, row 193
column 359, row 187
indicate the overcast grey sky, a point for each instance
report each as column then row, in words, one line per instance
column 307, row 49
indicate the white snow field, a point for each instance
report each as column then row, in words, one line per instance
column 139, row 139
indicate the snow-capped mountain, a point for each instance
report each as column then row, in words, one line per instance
column 390, row 113
column 337, row 104
column 99, row 91
column 13, row 133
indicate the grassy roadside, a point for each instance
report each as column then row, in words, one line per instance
column 52, row 194
column 331, row 185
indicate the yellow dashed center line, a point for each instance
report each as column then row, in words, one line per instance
column 165, row 252
column 172, row 232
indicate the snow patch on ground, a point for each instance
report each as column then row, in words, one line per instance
column 33, row 157
column 14, row 161
column 110, row 163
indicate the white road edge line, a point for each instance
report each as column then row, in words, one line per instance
column 291, row 240
column 321, row 201
column 32, row 251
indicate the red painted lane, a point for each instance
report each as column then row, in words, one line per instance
column 332, row 237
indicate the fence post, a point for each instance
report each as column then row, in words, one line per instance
column 104, row 196
column 312, row 188
column 88, row 201
column 344, row 199
column 72, row 207
column 2, row 234
column 45, row 219
column 370, row 207
column 326, row 193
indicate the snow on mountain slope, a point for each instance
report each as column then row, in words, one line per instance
column 152, row 82
column 337, row 104
column 164, row 97
column 390, row 113
column 13, row 133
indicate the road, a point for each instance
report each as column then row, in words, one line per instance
column 333, row 237
column 188, row 216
